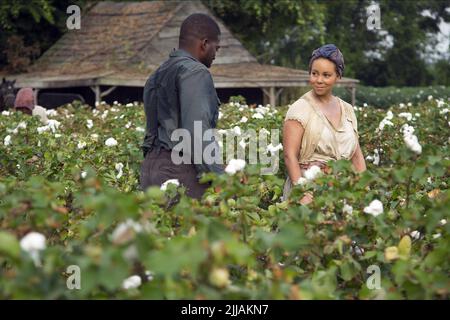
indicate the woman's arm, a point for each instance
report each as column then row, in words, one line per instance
column 292, row 139
column 358, row 160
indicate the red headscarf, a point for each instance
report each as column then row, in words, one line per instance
column 25, row 99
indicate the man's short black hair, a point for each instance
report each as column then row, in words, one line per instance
column 198, row 26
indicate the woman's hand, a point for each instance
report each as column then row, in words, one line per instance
column 307, row 198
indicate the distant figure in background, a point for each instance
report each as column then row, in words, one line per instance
column 25, row 102
column 7, row 94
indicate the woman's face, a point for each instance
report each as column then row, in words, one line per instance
column 323, row 76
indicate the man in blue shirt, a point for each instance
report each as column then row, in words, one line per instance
column 180, row 94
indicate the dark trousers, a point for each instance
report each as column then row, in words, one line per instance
column 158, row 167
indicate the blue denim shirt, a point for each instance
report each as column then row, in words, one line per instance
column 178, row 93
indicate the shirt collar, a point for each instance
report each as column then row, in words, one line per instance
column 181, row 53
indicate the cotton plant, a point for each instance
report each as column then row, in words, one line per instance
column 375, row 208
column 234, row 166
column 33, row 243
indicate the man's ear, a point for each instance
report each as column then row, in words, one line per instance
column 204, row 43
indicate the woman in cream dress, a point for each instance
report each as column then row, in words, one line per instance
column 319, row 126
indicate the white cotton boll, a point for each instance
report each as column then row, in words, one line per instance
column 436, row 236
column 417, row 115
column 413, row 144
column 124, row 231
column 406, row 115
column 257, row 116
column 301, row 181
column 94, row 136
column 6, row 113
column 51, row 113
column 430, row 97
column 97, row 103
column 369, row 158
column 170, row 181
column 39, row 143
column 22, row 125
column 365, row 105
column 89, row 123
column 312, row 173
column 443, row 222
column 40, row 130
column 376, row 158
column 234, row 166
column 444, row 111
column 128, row 125
column 149, row 275
column 128, row 105
column 241, row 109
column 440, row 103
column 429, row 180
column 415, row 235
column 140, row 129
column 409, row 104
column 132, row 282
column 84, row 174
column 119, row 167
column 401, row 105
column 244, row 119
column 111, row 142
column 375, row 208
column 389, row 115
column 220, row 116
column 384, row 123
column 347, row 209
column 81, row 145
column 237, row 131
column 53, row 125
column 273, row 150
column 7, row 140
column 105, row 114
column 33, row 243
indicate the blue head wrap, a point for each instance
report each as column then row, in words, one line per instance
column 332, row 53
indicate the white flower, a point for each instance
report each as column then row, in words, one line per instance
column 111, row 142
column 33, row 243
column 312, row 173
column 375, row 208
column 415, row 235
column 237, row 130
column 132, row 282
column 84, row 174
column 234, row 166
column 170, row 181
column 406, row 115
column 119, row 167
column 273, row 149
column 81, row 145
column 347, row 209
column 140, row 129
column 7, row 140
column 89, row 123
column 257, row 116
column 244, row 119
column 6, row 113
